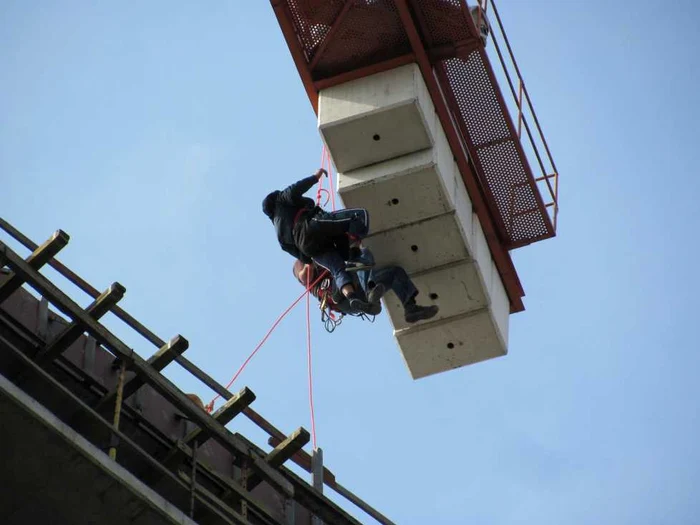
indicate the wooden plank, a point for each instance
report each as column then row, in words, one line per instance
column 307, row 496
column 157, row 361
column 282, row 452
column 160, row 384
column 36, row 260
column 97, row 309
column 303, row 459
column 288, row 447
column 225, row 414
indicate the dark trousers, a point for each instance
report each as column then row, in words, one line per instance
column 392, row 277
column 326, row 232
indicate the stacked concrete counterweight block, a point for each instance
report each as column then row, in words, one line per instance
column 394, row 159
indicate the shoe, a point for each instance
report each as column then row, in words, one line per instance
column 375, row 308
column 358, row 305
column 414, row 313
column 376, row 293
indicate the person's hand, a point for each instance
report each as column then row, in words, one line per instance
column 306, row 274
column 320, row 173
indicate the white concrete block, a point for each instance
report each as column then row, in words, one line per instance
column 376, row 118
column 481, row 252
column 451, row 343
column 421, row 246
column 455, row 289
column 406, row 189
column 500, row 305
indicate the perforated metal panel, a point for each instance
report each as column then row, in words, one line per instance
column 369, row 32
column 505, row 173
column 444, row 21
column 313, row 19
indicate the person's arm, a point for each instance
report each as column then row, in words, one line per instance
column 293, row 193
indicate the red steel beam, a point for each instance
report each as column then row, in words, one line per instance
column 284, row 18
column 500, row 255
column 366, row 71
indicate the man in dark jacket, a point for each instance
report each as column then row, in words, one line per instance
column 309, row 233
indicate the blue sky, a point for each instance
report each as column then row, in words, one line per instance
column 150, row 134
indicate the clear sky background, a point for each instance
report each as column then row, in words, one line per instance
column 151, row 131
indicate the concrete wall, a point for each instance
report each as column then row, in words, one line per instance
column 394, row 159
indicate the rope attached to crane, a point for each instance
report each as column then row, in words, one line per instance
column 330, row 196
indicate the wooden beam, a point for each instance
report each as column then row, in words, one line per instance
column 288, row 447
column 308, row 497
column 224, row 415
column 282, row 452
column 303, row 459
column 36, row 260
column 160, row 384
column 96, row 310
column 158, row 361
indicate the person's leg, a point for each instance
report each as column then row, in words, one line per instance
column 394, row 278
column 397, row 279
column 333, row 262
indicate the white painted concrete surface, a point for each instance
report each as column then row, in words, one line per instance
column 421, row 217
column 376, row 118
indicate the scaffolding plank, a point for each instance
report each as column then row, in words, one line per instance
column 71, row 333
column 158, row 361
column 36, row 260
column 159, row 383
column 282, row 452
column 225, row 414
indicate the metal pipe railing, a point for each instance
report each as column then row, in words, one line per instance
column 524, row 102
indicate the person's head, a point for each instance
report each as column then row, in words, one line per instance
column 301, row 272
column 269, row 203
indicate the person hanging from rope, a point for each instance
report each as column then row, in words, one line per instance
column 374, row 282
column 313, row 235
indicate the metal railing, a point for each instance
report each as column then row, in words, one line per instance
column 548, row 181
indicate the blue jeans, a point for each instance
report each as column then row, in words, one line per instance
column 392, row 277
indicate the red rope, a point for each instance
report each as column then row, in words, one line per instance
column 328, row 166
column 210, row 406
column 308, row 359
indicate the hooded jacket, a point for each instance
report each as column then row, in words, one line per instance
column 282, row 208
